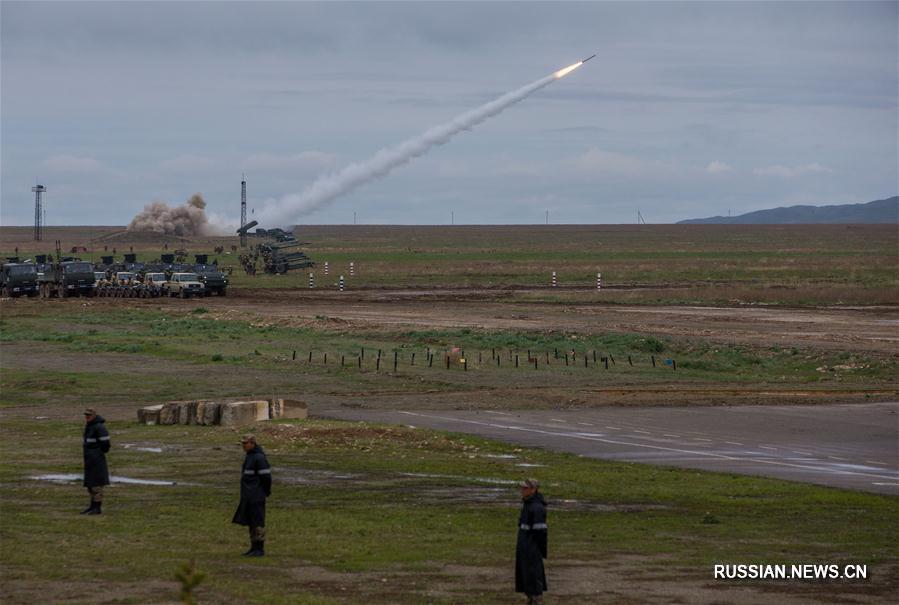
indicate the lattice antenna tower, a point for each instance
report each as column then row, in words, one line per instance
column 243, row 207
column 38, row 212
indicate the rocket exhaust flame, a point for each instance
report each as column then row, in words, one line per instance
column 567, row 70
column 328, row 187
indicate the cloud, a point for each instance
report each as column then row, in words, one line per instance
column 306, row 160
column 716, row 167
column 186, row 163
column 72, row 164
column 597, row 161
column 789, row 172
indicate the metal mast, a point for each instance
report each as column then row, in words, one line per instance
column 38, row 212
column 243, row 208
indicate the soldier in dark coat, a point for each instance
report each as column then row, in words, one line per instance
column 255, row 486
column 531, row 547
column 96, row 473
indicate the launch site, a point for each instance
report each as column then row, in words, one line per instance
column 475, row 303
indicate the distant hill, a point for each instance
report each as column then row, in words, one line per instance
column 879, row 211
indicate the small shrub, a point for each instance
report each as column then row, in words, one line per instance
column 200, row 310
column 710, row 519
column 217, row 357
column 190, row 577
column 651, row 345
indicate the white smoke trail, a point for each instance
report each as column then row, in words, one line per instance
column 327, row 188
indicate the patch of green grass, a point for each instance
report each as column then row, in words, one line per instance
column 195, row 340
column 397, row 502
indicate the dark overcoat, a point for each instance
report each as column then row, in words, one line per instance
column 530, row 551
column 96, row 444
column 255, row 486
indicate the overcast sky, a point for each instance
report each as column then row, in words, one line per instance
column 689, row 109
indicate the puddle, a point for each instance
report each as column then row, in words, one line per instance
column 527, row 465
column 566, row 505
column 502, row 496
column 461, row 478
column 295, row 475
column 155, row 450
column 112, row 478
column 496, row 481
column 504, row 456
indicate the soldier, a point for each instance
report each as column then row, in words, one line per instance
column 96, row 473
column 255, row 486
column 531, row 548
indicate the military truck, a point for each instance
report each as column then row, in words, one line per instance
column 185, row 285
column 67, row 278
column 215, row 281
column 17, row 279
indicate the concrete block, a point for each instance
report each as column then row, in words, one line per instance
column 243, row 412
column 199, row 413
column 261, row 410
column 185, row 411
column 212, row 413
column 289, row 409
column 169, row 413
column 149, row 414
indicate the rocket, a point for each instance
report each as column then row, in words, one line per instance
column 588, row 58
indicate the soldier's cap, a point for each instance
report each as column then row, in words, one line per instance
column 90, row 412
column 530, row 484
column 248, row 438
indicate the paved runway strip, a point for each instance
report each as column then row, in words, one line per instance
column 854, row 446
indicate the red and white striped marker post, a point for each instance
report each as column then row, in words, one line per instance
column 311, row 280
column 554, row 282
column 340, row 283
column 599, row 281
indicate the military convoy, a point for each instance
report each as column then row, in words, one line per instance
column 164, row 278
column 169, row 276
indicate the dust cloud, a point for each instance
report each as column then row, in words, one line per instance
column 186, row 220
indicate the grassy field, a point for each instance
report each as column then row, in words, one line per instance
column 147, row 352
column 775, row 264
column 364, row 513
